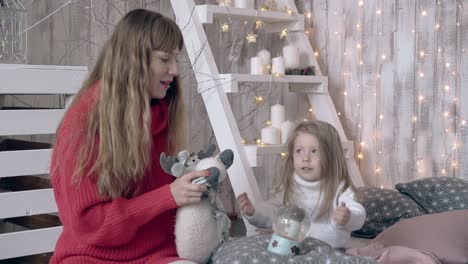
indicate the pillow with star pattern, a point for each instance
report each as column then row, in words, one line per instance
column 253, row 249
column 437, row 194
column 384, row 207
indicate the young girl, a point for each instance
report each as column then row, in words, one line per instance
column 115, row 202
column 315, row 178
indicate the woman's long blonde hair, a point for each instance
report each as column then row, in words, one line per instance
column 332, row 166
column 118, row 135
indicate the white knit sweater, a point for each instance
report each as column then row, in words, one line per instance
column 307, row 198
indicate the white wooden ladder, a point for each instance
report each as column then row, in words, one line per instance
column 213, row 86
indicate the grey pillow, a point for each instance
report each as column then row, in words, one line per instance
column 384, row 207
column 252, row 249
column 437, row 194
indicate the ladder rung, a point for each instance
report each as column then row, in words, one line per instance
column 315, row 84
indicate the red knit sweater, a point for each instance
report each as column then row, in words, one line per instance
column 95, row 230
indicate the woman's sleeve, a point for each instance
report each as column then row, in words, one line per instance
column 110, row 223
column 94, row 220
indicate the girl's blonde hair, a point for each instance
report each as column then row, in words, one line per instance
column 332, row 165
column 118, row 134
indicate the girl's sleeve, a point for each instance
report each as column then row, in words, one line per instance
column 358, row 213
column 265, row 212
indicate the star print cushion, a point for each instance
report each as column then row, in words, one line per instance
column 437, row 194
column 384, row 207
column 253, row 249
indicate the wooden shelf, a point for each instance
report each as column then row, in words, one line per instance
column 254, row 151
column 300, row 83
column 207, row 13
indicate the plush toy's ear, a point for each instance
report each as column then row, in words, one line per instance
column 178, row 169
column 227, row 157
column 166, row 162
column 209, row 152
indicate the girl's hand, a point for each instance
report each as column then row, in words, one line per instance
column 245, row 204
column 184, row 192
column 341, row 214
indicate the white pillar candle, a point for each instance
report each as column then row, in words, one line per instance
column 271, row 135
column 291, row 57
column 265, row 55
column 245, row 4
column 277, row 66
column 256, row 65
column 286, row 129
column 277, row 115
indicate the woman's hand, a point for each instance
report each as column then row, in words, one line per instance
column 341, row 214
column 245, row 205
column 185, row 192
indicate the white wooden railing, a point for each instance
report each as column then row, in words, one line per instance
column 31, row 80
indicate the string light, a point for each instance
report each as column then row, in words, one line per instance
column 361, row 3
column 258, row 24
column 258, row 99
column 251, row 38
column 225, row 27
column 284, row 33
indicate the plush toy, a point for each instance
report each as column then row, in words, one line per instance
column 202, row 226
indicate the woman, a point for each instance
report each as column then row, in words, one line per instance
column 115, row 202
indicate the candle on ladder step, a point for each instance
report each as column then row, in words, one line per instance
column 266, row 57
column 256, row 65
column 291, row 57
column 245, row 4
column 277, row 115
column 277, row 66
column 271, row 135
column 286, row 128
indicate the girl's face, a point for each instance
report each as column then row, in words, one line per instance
column 306, row 157
column 163, row 69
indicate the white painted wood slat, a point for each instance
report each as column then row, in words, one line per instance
column 12, row 163
column 27, row 203
column 29, row 122
column 31, row 242
column 41, row 79
column 207, row 13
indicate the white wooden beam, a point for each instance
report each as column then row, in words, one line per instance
column 29, row 122
column 274, row 20
column 41, row 79
column 31, row 242
column 25, row 203
column 12, row 163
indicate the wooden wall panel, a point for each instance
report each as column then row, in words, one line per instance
column 72, row 33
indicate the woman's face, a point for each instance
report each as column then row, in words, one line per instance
column 163, row 69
